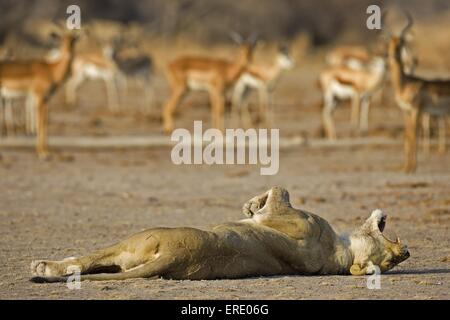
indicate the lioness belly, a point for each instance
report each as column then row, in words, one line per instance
column 224, row 253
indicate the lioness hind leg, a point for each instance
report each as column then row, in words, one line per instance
column 255, row 204
column 153, row 269
column 102, row 260
column 274, row 201
column 47, row 268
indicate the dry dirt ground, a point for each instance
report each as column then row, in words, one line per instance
column 81, row 200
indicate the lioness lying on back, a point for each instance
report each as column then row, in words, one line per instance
column 276, row 239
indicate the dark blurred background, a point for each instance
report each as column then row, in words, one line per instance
column 206, row 20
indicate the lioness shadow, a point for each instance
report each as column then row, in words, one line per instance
column 395, row 272
column 419, row 271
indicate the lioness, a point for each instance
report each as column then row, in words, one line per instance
column 275, row 239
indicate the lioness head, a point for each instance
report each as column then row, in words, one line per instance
column 371, row 247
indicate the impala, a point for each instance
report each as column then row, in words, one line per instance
column 262, row 78
column 415, row 96
column 39, row 79
column 214, row 75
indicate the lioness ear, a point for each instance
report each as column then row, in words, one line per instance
column 356, row 270
column 376, row 221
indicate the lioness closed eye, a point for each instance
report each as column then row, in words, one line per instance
column 275, row 239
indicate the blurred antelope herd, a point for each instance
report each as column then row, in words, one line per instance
column 118, row 56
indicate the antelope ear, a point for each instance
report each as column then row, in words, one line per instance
column 376, row 221
column 356, row 270
column 236, row 37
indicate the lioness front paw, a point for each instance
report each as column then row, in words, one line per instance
column 45, row 268
column 254, row 205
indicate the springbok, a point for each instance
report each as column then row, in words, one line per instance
column 138, row 67
column 199, row 73
column 38, row 80
column 415, row 96
column 351, row 56
column 426, row 119
column 358, row 85
column 14, row 116
column 262, row 78
column 94, row 65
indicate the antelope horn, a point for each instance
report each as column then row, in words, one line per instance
column 408, row 26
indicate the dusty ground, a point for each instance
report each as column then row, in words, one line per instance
column 82, row 200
